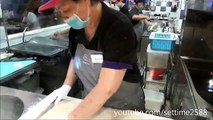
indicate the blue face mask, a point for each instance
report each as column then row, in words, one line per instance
column 140, row 8
column 77, row 23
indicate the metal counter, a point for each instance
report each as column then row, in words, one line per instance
column 186, row 98
column 29, row 99
column 199, row 101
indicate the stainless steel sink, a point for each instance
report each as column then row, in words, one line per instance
column 11, row 107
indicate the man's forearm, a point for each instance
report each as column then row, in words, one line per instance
column 108, row 83
column 91, row 104
column 138, row 17
column 71, row 76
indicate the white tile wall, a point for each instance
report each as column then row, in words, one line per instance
column 163, row 4
column 181, row 14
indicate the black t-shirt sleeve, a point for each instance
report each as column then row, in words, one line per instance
column 134, row 11
column 119, row 46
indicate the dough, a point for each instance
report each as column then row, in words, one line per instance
column 63, row 108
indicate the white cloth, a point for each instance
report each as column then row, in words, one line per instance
column 31, row 19
column 35, row 111
column 115, row 7
column 107, row 3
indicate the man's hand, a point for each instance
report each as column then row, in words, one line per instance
column 146, row 17
column 61, row 92
column 56, row 35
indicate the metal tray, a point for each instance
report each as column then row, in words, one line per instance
column 41, row 46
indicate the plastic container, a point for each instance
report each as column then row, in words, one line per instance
column 157, row 59
column 162, row 41
column 157, row 73
column 154, row 100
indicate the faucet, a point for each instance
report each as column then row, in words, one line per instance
column 163, row 27
column 25, row 29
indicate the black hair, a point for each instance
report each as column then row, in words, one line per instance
column 48, row 11
column 93, row 2
column 123, row 1
column 137, row 1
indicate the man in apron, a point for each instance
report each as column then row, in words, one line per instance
column 103, row 48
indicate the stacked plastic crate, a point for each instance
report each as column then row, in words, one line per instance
column 158, row 53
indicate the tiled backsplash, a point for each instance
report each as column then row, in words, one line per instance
column 164, row 6
column 168, row 7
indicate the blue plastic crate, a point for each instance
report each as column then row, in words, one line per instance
column 162, row 41
column 163, row 45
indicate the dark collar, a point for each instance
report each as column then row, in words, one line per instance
column 100, row 27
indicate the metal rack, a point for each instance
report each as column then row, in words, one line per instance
column 170, row 74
